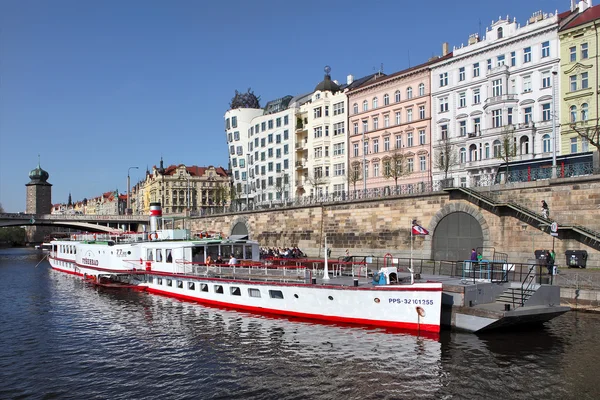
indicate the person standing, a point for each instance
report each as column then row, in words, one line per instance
column 473, row 255
column 232, row 260
column 545, row 209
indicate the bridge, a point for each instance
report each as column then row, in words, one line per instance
column 90, row 223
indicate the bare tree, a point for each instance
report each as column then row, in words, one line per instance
column 395, row 166
column 282, row 185
column 508, row 148
column 1, row 208
column 316, row 179
column 354, row 174
column 446, row 157
column 590, row 133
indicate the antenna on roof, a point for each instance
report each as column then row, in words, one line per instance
column 479, row 33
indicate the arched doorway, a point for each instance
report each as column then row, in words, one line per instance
column 455, row 235
column 239, row 228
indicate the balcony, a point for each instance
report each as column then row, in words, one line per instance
column 300, row 145
column 300, row 164
column 505, row 98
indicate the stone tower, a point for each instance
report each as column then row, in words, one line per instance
column 39, row 201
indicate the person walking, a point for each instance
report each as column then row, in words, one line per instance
column 473, row 255
column 545, row 209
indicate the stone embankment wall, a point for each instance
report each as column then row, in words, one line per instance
column 377, row 227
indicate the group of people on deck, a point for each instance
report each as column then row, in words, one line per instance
column 281, row 252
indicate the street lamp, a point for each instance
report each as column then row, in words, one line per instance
column 129, row 191
column 247, row 182
column 554, row 73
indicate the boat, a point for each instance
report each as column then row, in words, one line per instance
column 171, row 262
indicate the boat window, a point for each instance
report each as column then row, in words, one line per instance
column 150, row 256
column 180, row 284
column 219, row 289
column 253, row 292
column 159, row 255
column 203, row 287
column 169, row 282
column 276, row 294
column 191, row 286
column 149, row 279
column 238, row 251
column 198, row 254
column 169, row 256
column 248, row 254
column 159, row 281
column 225, row 251
column 235, row 291
column 212, row 251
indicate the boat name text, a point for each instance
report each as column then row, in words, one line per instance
column 411, row 301
column 89, row 261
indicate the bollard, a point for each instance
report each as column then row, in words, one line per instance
column 507, row 307
column 356, row 282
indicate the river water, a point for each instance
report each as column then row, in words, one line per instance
column 62, row 339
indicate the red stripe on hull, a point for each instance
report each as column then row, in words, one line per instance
column 67, row 271
column 328, row 318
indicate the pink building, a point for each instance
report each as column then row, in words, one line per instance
column 389, row 124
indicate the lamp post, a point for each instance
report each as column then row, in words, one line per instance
column 364, row 166
column 128, row 211
column 554, row 73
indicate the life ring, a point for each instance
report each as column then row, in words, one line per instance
column 153, row 236
column 94, row 236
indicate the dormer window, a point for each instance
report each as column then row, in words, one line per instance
column 500, row 33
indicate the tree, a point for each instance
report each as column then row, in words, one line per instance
column 244, row 100
column 1, row 208
column 446, row 157
column 395, row 166
column 317, row 179
column 590, row 133
column 508, row 148
column 282, row 185
column 354, row 174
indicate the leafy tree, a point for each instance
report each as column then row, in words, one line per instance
column 446, row 157
column 14, row 236
column 508, row 147
column 244, row 100
column 395, row 166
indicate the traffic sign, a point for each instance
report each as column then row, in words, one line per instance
column 32, row 220
column 554, row 229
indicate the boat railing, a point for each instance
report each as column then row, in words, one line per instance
column 247, row 270
column 317, row 266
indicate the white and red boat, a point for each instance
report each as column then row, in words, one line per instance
column 169, row 262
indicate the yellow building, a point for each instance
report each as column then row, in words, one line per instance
column 180, row 188
column 579, row 69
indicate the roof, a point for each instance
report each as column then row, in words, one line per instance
column 195, row 170
column 589, row 15
column 327, row 85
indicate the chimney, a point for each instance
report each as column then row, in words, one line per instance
column 444, row 49
column 350, row 79
column 584, row 5
column 573, row 5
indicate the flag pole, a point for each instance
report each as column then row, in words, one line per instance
column 412, row 279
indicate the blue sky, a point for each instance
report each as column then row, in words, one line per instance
column 95, row 87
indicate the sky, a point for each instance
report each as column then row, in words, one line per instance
column 96, row 87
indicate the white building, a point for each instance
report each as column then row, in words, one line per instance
column 496, row 89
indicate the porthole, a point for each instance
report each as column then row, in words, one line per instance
column 376, row 300
column 330, row 297
column 295, row 295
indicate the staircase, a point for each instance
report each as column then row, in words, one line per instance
column 517, row 296
column 584, row 235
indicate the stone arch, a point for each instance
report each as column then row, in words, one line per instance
column 456, row 207
column 240, row 226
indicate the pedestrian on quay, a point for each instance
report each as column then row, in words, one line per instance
column 545, row 209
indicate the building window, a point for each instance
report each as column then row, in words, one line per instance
column 584, row 80
column 422, row 136
column 462, row 99
column 375, row 146
column 356, row 128
column 584, row 51
column 545, row 49
column 375, row 102
column 339, row 128
column 318, row 152
column 317, row 112
column 338, row 149
column 398, row 118
column 527, row 112
column 545, row 79
column 443, row 104
column 546, row 112
column 375, row 169
column 497, row 87
column 409, row 116
column 476, row 96
column 386, row 99
column 513, row 58
column 443, row 79
column 398, row 142
column 386, row 121
column 338, row 108
column 527, row 84
column 475, row 70
column 463, row 155
column 339, row 170
column 318, row 132
column 489, row 64
column 410, row 165
column 462, row 128
column 500, row 60
column 409, row 139
column 365, row 126
column 510, row 115
column 409, row 93
column 421, row 112
column 500, row 33
column 573, row 82
column 573, row 54
column 421, row 89
column 527, row 54
column 286, row 119
column 375, row 123
column 444, row 132
column 461, row 74
column 477, row 124
column 386, row 144
column 234, row 122
column 355, row 108
column 497, row 148
column 497, row 118
column 397, row 96
column 422, row 163
column 584, row 112
column 355, row 149
column 585, row 144
column 574, row 145
column 573, row 113
column 487, row 150
column 365, row 105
